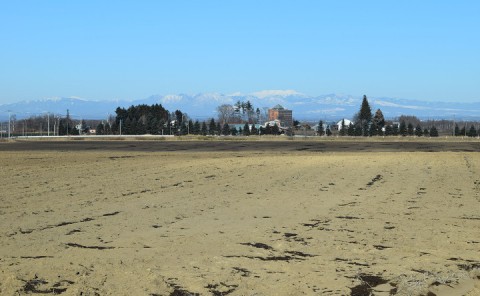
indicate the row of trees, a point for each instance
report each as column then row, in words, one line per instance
column 247, row 129
column 390, row 130
column 368, row 124
column 156, row 120
column 472, row 132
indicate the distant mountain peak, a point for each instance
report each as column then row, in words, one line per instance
column 277, row 93
column 204, row 105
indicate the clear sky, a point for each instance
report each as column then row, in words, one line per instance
column 421, row 49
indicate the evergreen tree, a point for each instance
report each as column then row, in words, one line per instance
column 426, row 132
column 388, row 130
column 373, row 129
column 358, row 131
column 152, row 125
column 320, row 130
column 365, row 116
column 219, row 129
column 463, row 131
column 131, row 126
column 254, row 130
column 100, row 129
column 267, row 130
column 351, row 130
column 378, row 119
column 433, row 132
column 204, row 129
column 366, row 130
column 140, row 128
column 456, row 131
column 226, row 130
column 418, row 131
column 184, row 128
column 238, row 107
column 403, row 129
column 233, row 131
column 261, row 130
column 395, row 130
column 410, row 130
column 472, row 133
column 196, row 128
column 212, row 127
column 179, row 117
column 328, row 131
column 190, row 127
column 126, row 127
column 160, row 127
column 275, row 130
column 246, row 130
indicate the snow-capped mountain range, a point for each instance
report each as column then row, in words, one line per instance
column 203, row 106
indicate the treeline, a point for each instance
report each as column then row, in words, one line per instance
column 367, row 124
column 240, row 119
column 156, row 120
column 137, row 120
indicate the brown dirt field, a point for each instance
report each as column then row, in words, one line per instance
column 271, row 144
column 239, row 218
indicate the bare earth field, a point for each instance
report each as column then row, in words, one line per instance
column 239, row 218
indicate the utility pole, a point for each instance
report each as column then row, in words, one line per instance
column 120, row 127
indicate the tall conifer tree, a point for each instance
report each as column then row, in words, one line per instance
column 320, row 130
column 365, row 116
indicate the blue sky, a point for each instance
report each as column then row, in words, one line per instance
column 427, row 50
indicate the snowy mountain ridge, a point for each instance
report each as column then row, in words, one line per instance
column 203, row 106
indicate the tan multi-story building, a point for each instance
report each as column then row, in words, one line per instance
column 281, row 114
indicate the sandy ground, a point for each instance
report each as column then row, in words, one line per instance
column 239, row 223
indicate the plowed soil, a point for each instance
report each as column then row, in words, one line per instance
column 239, row 218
